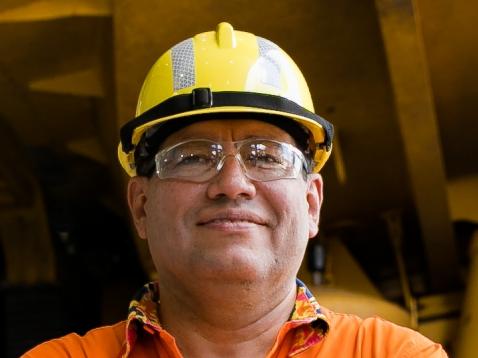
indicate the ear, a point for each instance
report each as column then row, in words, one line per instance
column 137, row 198
column 314, row 200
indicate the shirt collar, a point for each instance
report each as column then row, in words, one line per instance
column 310, row 323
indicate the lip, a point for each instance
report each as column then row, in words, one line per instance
column 231, row 220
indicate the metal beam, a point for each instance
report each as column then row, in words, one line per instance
column 41, row 10
column 415, row 111
column 89, row 147
column 80, row 83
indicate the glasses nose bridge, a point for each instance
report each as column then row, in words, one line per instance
column 235, row 155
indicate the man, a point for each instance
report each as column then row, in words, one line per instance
column 224, row 156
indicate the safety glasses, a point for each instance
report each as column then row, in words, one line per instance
column 199, row 160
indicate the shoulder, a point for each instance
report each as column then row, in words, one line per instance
column 100, row 342
column 375, row 336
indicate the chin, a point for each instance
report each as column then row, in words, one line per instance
column 237, row 269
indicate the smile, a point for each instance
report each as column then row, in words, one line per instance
column 228, row 221
column 231, row 219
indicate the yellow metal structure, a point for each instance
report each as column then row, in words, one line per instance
column 225, row 60
column 466, row 342
column 416, row 115
column 347, row 288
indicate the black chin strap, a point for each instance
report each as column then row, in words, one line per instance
column 205, row 98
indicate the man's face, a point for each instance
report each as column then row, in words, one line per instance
column 230, row 228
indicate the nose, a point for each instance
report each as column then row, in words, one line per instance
column 231, row 181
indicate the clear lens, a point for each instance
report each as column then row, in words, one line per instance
column 190, row 159
column 269, row 160
column 199, row 160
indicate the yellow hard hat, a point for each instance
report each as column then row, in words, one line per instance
column 223, row 72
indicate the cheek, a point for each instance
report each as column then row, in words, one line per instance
column 291, row 209
column 291, row 235
column 168, row 207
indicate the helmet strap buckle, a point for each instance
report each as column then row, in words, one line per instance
column 201, row 98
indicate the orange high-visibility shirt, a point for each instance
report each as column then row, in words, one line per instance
column 312, row 331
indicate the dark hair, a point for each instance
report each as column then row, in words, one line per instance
column 152, row 139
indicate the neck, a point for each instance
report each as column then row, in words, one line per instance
column 231, row 320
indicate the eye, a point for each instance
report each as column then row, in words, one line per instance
column 267, row 158
column 193, row 159
column 264, row 160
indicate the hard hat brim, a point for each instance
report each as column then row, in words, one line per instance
column 320, row 129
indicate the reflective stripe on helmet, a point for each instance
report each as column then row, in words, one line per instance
column 182, row 57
